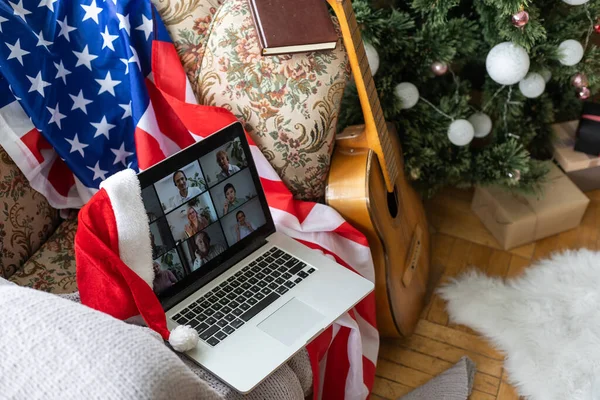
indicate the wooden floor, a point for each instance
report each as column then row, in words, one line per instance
column 460, row 240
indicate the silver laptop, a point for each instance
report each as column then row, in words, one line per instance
column 254, row 295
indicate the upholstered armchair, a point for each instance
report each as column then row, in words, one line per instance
column 288, row 104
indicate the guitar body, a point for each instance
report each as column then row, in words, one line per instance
column 394, row 224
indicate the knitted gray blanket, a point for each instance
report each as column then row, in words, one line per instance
column 53, row 348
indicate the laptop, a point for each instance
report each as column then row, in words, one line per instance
column 255, row 296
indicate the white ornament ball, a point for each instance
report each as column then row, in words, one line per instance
column 575, row 2
column 570, row 52
column 407, row 93
column 546, row 74
column 507, row 63
column 461, row 132
column 532, row 85
column 482, row 124
column 372, row 57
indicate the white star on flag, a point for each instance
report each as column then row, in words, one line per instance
column 65, row 28
column 107, row 84
column 76, row 145
column 146, row 26
column 102, row 127
column 42, row 41
column 62, row 72
column 16, row 51
column 37, row 84
column 80, row 102
column 91, row 12
column 134, row 57
column 127, row 108
column 47, row 3
column 124, row 23
column 2, row 19
column 121, row 155
column 19, row 10
column 56, row 116
column 98, row 173
column 84, row 58
column 126, row 62
column 108, row 39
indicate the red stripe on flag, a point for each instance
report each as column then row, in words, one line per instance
column 351, row 233
column 61, row 177
column 200, row 120
column 338, row 365
column 279, row 197
column 317, row 349
column 35, row 142
column 168, row 122
column 368, row 373
column 147, row 149
column 167, row 69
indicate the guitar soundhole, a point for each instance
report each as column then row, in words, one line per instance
column 392, row 200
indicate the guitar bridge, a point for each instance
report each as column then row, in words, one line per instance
column 413, row 256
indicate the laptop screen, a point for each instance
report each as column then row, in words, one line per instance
column 205, row 205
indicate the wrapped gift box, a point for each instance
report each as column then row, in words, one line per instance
column 583, row 169
column 515, row 220
column 587, row 138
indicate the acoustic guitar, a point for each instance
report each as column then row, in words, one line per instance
column 367, row 186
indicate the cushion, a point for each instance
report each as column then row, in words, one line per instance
column 26, row 217
column 52, row 267
column 289, row 103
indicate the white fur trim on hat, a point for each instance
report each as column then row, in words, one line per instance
column 125, row 194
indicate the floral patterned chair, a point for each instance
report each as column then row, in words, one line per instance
column 289, row 104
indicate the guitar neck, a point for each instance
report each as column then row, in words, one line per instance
column 375, row 126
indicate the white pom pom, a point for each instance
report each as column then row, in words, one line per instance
column 183, row 338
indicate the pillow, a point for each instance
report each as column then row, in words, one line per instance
column 57, row 349
column 289, row 103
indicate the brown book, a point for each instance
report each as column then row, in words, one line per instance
column 293, row 26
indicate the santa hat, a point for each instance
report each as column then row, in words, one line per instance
column 114, row 258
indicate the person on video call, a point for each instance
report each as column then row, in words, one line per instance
column 204, row 250
column 184, row 192
column 196, row 222
column 226, row 168
column 163, row 279
column 231, row 201
column 243, row 227
column 157, row 249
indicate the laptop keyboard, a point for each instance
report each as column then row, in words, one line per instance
column 223, row 310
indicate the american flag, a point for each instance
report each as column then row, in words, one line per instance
column 90, row 87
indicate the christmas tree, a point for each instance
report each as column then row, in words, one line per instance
column 474, row 86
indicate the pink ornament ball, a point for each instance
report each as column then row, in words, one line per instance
column 579, row 80
column 583, row 93
column 439, row 68
column 520, row 19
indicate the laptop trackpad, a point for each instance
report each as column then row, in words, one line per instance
column 291, row 321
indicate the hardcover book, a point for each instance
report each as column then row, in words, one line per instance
column 293, row 26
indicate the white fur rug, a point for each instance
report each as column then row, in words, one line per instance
column 547, row 322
